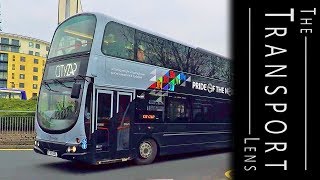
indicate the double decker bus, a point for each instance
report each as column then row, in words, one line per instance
column 114, row 92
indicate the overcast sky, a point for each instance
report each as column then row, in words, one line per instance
column 202, row 23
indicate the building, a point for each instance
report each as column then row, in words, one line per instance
column 22, row 62
column 68, row 8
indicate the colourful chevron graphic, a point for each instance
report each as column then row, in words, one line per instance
column 169, row 81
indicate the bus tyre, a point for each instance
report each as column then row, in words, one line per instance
column 147, row 152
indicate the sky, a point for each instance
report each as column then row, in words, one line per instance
column 201, row 23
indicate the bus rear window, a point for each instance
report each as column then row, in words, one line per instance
column 73, row 36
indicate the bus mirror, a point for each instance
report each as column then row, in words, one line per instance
column 75, row 90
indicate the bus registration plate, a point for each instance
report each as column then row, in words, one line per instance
column 52, row 153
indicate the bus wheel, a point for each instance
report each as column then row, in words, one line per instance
column 147, row 152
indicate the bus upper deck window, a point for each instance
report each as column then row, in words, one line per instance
column 118, row 41
column 73, row 36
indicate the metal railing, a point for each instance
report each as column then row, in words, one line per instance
column 17, row 125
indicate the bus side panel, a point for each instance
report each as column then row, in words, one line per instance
column 173, row 134
column 177, row 149
column 184, row 138
column 204, row 133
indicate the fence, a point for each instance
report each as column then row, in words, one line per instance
column 17, row 125
column 16, row 131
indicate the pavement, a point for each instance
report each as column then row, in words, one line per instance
column 16, row 147
column 27, row 165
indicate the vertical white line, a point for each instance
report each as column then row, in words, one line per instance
column 305, row 103
column 249, row 71
column 93, row 111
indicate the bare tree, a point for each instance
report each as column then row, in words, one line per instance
column 164, row 53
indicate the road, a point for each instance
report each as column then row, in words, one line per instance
column 27, row 165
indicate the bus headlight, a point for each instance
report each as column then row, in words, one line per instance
column 72, row 149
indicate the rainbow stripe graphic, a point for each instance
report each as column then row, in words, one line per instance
column 169, row 81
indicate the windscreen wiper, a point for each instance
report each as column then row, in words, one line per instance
column 82, row 77
column 56, row 80
column 48, row 87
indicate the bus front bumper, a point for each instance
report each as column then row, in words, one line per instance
column 60, row 151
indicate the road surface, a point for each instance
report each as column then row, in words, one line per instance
column 27, row 165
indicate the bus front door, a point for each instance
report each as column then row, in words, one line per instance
column 113, row 117
column 104, row 113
